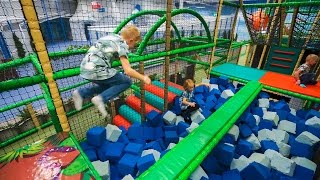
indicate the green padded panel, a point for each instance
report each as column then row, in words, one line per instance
column 242, row 72
column 282, row 59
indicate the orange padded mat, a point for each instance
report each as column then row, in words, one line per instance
column 287, row 82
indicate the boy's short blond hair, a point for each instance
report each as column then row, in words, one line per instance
column 131, row 32
column 188, row 83
column 312, row 57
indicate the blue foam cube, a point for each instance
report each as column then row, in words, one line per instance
column 183, row 134
column 255, row 171
column 135, row 132
column 123, row 130
column 221, row 88
column 223, row 80
column 170, row 137
column 199, row 96
column 265, row 124
column 282, row 114
column 145, row 162
column 232, row 174
column 101, row 151
column 213, row 80
column 255, row 130
column 86, row 146
column 158, row 132
column 206, row 113
column 96, row 136
column 114, row 151
column 182, row 126
column 228, row 138
column 211, row 98
column 114, row 173
column 225, row 154
column 123, row 139
column 153, row 145
column 91, row 154
column 301, row 113
column 221, row 100
column 134, row 148
column 245, row 130
column 151, row 115
column 214, row 177
column 293, row 118
column 148, row 133
column 170, row 128
column 257, row 111
column 280, row 105
column 127, row 164
column 291, row 139
column 300, row 127
column 161, row 143
column 210, row 164
column 209, row 105
column 154, row 118
column 198, row 89
column 244, row 148
column 301, row 172
column 250, row 120
column 263, row 94
column 313, row 130
column 216, row 93
column 139, row 141
column 300, row 149
column 267, row 144
column 312, row 113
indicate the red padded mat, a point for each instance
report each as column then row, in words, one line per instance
column 287, row 82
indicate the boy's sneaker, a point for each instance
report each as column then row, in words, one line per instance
column 98, row 102
column 302, row 85
column 77, row 99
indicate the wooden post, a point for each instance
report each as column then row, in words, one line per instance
column 215, row 39
column 167, row 58
column 232, row 32
column 272, row 29
column 293, row 22
column 33, row 116
column 142, row 92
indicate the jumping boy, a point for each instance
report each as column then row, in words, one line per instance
column 96, row 68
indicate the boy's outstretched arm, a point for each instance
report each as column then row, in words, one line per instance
column 296, row 74
column 131, row 72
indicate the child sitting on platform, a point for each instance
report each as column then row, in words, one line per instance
column 303, row 75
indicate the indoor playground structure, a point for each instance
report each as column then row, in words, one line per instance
column 254, row 121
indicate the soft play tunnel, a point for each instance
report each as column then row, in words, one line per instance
column 154, row 94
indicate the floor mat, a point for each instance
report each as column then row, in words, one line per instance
column 287, row 82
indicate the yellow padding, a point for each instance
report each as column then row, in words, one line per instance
column 40, row 46
column 31, row 15
column 26, row 2
column 60, row 110
column 47, row 68
column 34, row 25
column 43, row 56
column 58, row 103
column 37, row 36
